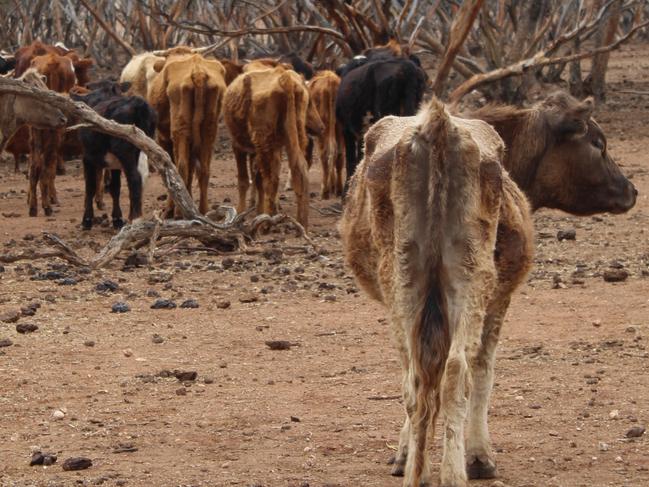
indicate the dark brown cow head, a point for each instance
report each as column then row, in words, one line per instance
column 58, row 70
column 558, row 155
column 577, row 173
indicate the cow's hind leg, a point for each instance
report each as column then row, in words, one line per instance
column 135, row 186
column 514, row 252
column 243, row 178
column 35, row 169
column 48, row 191
column 99, row 196
column 115, row 189
column 300, row 182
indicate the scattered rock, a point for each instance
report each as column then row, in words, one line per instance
column 615, row 275
column 248, row 298
column 10, row 316
column 601, row 446
column 163, row 304
column 26, row 327
column 186, row 375
column 223, row 304
column 120, row 307
column 157, row 338
column 127, row 352
column 152, row 293
column 125, row 448
column 635, row 432
column 615, row 414
column 58, row 414
column 136, row 259
column 227, row 263
column 158, row 277
column 89, row 343
column 30, row 309
column 5, row 342
column 295, row 419
column 181, row 392
column 107, row 286
column 189, row 303
column 330, row 298
column 67, row 281
column 41, row 458
column 567, row 234
column 77, row 463
column 278, row 344
column 208, row 380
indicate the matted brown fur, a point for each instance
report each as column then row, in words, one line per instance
column 435, row 229
column 268, row 110
column 323, row 89
column 558, row 155
column 187, row 95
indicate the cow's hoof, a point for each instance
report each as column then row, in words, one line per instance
column 86, row 223
column 33, row 212
column 100, row 205
column 118, row 223
column 478, row 469
column 398, row 466
column 48, row 211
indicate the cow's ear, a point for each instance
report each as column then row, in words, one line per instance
column 124, row 86
column 573, row 121
column 84, row 63
column 158, row 65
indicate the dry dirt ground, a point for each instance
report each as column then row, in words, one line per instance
column 571, row 376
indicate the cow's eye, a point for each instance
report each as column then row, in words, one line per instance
column 599, row 144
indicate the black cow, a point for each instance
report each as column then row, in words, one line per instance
column 299, row 65
column 372, row 91
column 7, row 64
column 101, row 151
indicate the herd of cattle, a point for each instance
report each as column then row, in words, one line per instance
column 268, row 105
column 437, row 220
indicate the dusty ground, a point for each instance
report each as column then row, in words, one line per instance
column 571, row 376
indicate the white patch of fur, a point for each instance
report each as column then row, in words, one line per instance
column 360, row 57
column 143, row 166
column 112, row 162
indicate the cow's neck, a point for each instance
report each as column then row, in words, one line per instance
column 525, row 133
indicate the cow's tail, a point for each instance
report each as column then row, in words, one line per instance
column 294, row 127
column 431, row 335
column 200, row 82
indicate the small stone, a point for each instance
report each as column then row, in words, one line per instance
column 41, row 458
column 254, row 278
column 330, row 298
column 185, row 376
column 618, row 459
column 601, row 446
column 127, row 352
column 227, row 262
column 120, row 307
column 295, row 419
column 568, row 234
column 189, row 303
column 58, row 414
column 10, row 316
column 106, row 286
column 67, row 281
column 614, row 414
column 136, row 259
column 223, row 304
column 597, row 323
column 163, row 304
column 248, row 298
column 152, row 293
column 181, row 392
column 157, row 338
column 29, row 310
column 498, row 483
column 77, row 463
column 5, row 342
column 26, row 327
column 156, row 277
column 89, row 343
column 553, row 433
column 208, row 380
column 635, row 432
column 278, row 344
column 615, row 275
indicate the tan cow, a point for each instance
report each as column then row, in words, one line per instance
column 187, row 95
column 323, row 88
column 267, row 110
column 419, row 231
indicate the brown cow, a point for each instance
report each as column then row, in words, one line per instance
column 557, row 154
column 266, row 110
column 187, row 94
column 323, row 88
column 423, row 213
column 46, row 144
column 26, row 54
column 16, row 111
